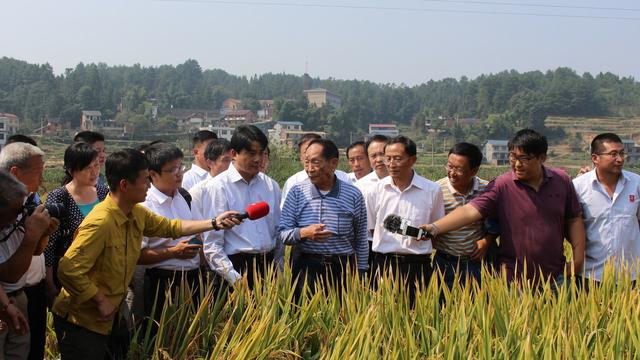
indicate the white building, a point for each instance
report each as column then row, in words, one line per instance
column 496, row 152
column 222, row 131
column 389, row 130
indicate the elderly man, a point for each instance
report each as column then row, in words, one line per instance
column 462, row 251
column 610, row 199
column 358, row 161
column 22, row 265
column 324, row 219
column 532, row 228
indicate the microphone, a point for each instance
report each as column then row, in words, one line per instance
column 254, row 211
column 399, row 225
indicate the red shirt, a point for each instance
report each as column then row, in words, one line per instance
column 532, row 223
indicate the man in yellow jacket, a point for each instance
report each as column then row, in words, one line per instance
column 97, row 268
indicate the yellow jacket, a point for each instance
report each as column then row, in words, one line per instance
column 102, row 257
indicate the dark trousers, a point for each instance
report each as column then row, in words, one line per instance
column 450, row 265
column 76, row 342
column 314, row 269
column 156, row 283
column 412, row 269
column 37, row 310
column 251, row 266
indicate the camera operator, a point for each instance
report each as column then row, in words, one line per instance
column 21, row 261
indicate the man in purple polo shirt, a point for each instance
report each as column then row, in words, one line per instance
column 537, row 207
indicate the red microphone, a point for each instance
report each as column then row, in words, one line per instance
column 254, row 211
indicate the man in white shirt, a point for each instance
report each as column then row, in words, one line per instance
column 358, row 161
column 199, row 169
column 610, row 200
column 25, row 269
column 233, row 253
column 302, row 175
column 218, row 156
column 412, row 197
column 168, row 261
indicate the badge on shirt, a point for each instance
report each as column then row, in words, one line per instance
column 632, row 198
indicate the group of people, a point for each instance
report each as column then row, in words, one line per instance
column 103, row 251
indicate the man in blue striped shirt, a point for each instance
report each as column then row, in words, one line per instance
column 325, row 220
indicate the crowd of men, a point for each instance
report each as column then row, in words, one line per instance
column 123, row 250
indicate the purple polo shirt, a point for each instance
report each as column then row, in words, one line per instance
column 532, row 223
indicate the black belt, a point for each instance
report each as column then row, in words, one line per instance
column 453, row 258
column 171, row 273
column 405, row 258
column 15, row 293
column 249, row 257
column 327, row 258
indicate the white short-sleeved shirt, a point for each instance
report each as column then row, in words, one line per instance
column 193, row 176
column 611, row 224
column 7, row 249
column 420, row 203
column 364, row 184
column 301, row 176
column 175, row 207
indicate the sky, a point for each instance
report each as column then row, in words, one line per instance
column 385, row 41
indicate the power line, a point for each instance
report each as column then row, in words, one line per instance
column 385, row 8
column 505, row 3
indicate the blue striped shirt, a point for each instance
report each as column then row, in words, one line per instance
column 343, row 212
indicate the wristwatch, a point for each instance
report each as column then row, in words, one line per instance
column 214, row 224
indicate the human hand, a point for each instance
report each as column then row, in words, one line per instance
column 184, row 250
column 315, row 232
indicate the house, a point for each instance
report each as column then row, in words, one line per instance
column 91, row 120
column 291, row 137
column 221, row 131
column 631, row 150
column 318, row 97
column 231, row 104
column 266, row 109
column 9, row 124
column 234, row 118
column 283, row 130
column 192, row 119
column 496, row 152
column 389, row 130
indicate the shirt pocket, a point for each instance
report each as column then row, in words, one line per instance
column 345, row 223
column 113, row 266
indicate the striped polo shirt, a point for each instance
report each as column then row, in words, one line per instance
column 343, row 212
column 460, row 242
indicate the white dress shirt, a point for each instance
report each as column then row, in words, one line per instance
column 420, row 203
column 193, row 176
column 175, row 207
column 364, row 184
column 196, row 194
column 611, row 224
column 229, row 191
column 352, row 177
column 301, row 176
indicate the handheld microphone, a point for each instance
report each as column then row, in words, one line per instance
column 254, row 211
column 399, row 225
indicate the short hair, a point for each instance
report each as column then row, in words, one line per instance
column 90, row 137
column 161, row 153
column 599, row 140
column 329, row 148
column 202, row 136
column 21, row 138
column 77, row 157
column 124, row 164
column 144, row 146
column 245, row 135
column 10, row 190
column 375, row 138
column 216, row 148
column 530, row 142
column 18, row 155
column 306, row 138
column 354, row 145
column 470, row 151
column 409, row 145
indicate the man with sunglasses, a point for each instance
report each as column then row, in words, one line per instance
column 610, row 203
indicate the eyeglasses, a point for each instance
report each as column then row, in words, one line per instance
column 176, row 170
column 390, row 160
column 523, row 159
column 454, row 169
column 614, row 154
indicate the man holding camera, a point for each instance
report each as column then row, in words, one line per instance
column 21, row 260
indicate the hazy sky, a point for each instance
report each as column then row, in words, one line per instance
column 345, row 41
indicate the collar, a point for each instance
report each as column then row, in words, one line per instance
column 416, row 181
column 198, row 170
column 546, row 173
column 474, row 188
column 158, row 195
column 117, row 213
column 593, row 177
column 334, row 192
column 234, row 175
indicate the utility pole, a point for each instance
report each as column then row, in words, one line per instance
column 433, row 148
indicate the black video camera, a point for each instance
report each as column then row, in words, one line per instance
column 55, row 210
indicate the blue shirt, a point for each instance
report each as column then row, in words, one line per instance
column 343, row 212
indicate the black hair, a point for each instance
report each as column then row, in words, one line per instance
column 306, row 138
column 356, row 144
column 161, row 153
column 596, row 143
column 143, row 147
column 202, row 136
column 216, row 148
column 409, row 145
column 530, row 142
column 470, row 151
column 21, row 138
column 375, row 138
column 124, row 164
column 245, row 135
column 90, row 137
column 77, row 157
column 329, row 148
